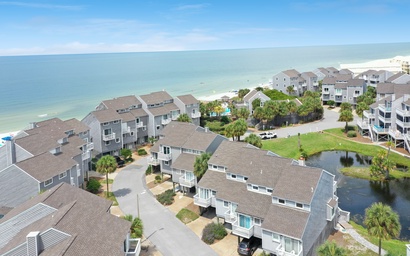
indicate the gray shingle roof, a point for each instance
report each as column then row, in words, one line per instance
column 356, row 82
column 309, row 74
column 340, row 85
column 329, row 80
column 188, row 99
column 291, row 73
column 394, row 77
column 385, row 88
column 166, row 109
column 138, row 112
column 285, row 220
column 106, row 115
column 81, row 215
column 123, row 102
column 249, row 95
column 184, row 162
column 77, row 125
column 37, row 143
column 156, row 97
column 343, row 77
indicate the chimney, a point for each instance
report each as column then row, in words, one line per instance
column 10, row 150
column 32, row 125
column 33, row 243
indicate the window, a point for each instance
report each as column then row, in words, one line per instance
column 281, row 201
column 226, row 204
column 166, row 162
column 326, row 89
column 158, row 127
column 106, row 123
column 132, row 133
column 275, row 237
column 299, row 205
column 245, row 178
column 254, row 187
column 284, row 79
column 107, row 143
column 357, row 92
column 213, row 193
column 137, row 120
column 62, row 175
column 269, row 190
column 144, row 128
column 233, row 176
column 117, row 140
column 257, row 221
column 124, row 135
column 116, row 122
column 48, row 182
column 107, row 131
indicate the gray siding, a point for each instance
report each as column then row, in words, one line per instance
column 280, row 82
column 267, row 242
column 3, row 157
column 21, row 154
column 114, row 146
column 95, row 131
column 220, row 209
column 317, row 226
column 142, row 135
column 16, row 186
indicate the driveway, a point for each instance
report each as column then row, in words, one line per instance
column 161, row 227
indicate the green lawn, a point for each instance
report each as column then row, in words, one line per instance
column 314, row 142
column 395, row 247
column 186, row 215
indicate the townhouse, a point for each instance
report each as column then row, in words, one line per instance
column 291, row 77
column 47, row 154
column 66, row 220
column 176, row 150
column 251, row 96
column 342, row 88
column 388, row 118
column 399, row 78
column 128, row 121
column 292, row 208
column 374, row 77
column 321, row 72
column 312, row 81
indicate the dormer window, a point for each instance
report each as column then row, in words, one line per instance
column 281, row 201
column 299, row 205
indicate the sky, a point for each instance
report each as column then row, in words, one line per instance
column 100, row 26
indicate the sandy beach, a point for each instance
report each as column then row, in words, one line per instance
column 392, row 64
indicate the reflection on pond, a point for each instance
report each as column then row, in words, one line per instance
column 355, row 195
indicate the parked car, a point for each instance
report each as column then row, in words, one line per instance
column 120, row 162
column 248, row 246
column 267, row 135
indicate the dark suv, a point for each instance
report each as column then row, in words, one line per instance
column 248, row 246
column 120, row 162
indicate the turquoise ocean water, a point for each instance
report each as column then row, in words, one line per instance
column 69, row 86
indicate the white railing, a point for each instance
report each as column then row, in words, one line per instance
column 166, row 121
column 126, row 129
column 368, row 114
column 109, row 137
column 135, row 247
column 402, row 112
column 345, row 215
column 402, row 124
column 384, row 108
column 139, row 125
column 281, row 251
column 165, row 157
column 395, row 133
column 186, row 183
column 380, row 129
column 90, row 146
column 362, row 123
column 175, row 117
column 204, row 202
column 334, row 186
column 230, row 216
column 385, row 119
column 86, row 155
column 196, row 115
column 153, row 161
column 242, row 231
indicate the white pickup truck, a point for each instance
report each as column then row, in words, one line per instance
column 267, row 135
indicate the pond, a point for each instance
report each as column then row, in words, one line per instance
column 355, row 195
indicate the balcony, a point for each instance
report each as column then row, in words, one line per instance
column 139, row 125
column 242, row 231
column 203, row 202
column 108, row 137
column 134, row 247
column 368, row 115
column 325, row 97
column 196, row 115
column 396, row 134
column 363, row 124
column 281, row 251
column 174, row 117
column 86, row 155
column 338, row 93
column 90, row 146
column 153, row 161
column 402, row 113
column 165, row 157
column 379, row 129
column 385, row 109
column 230, row 216
column 385, row 119
column 186, row 183
column 402, row 124
column 166, row 121
column 126, row 129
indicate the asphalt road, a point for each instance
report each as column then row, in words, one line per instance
column 161, row 227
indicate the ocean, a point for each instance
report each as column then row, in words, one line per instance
column 35, row 88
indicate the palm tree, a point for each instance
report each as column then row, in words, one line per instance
column 292, row 107
column 254, row 139
column 345, row 106
column 152, row 140
column 346, row 116
column 137, row 227
column 201, row 164
column 331, row 249
column 362, row 106
column 243, row 113
column 381, row 166
column 283, row 108
column 258, row 113
column 105, row 165
column 289, row 89
column 382, row 222
column 218, row 109
column 184, row 118
column 229, row 131
column 239, row 128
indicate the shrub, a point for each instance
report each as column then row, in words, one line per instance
column 167, row 197
column 158, row 179
column 351, row 134
column 141, row 152
column 213, row 231
column 93, row 186
column 149, row 170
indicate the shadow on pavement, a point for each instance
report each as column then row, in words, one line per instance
column 122, row 192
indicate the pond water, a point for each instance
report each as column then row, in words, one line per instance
column 355, row 195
